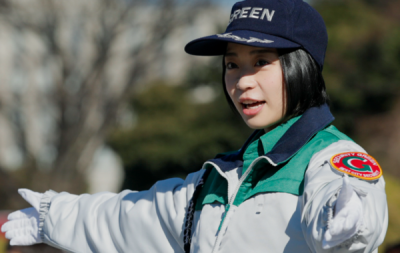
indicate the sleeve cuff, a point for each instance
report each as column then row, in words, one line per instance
column 45, row 203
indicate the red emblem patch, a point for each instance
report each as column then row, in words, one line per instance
column 357, row 164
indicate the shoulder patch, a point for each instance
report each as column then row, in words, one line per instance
column 357, row 164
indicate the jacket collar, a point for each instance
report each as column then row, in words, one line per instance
column 291, row 139
column 311, row 122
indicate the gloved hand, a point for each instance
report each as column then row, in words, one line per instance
column 347, row 219
column 22, row 227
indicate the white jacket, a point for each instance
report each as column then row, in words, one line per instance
column 154, row 220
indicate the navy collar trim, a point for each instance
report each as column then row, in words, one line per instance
column 311, row 122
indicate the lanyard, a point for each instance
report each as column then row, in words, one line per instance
column 187, row 234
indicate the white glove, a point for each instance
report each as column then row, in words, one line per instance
column 347, row 219
column 22, row 227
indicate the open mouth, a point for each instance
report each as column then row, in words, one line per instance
column 252, row 105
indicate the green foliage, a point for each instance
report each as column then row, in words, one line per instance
column 175, row 136
column 362, row 61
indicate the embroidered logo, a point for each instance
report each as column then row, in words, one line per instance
column 357, row 164
column 252, row 12
column 237, row 38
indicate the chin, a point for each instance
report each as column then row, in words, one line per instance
column 257, row 125
column 261, row 123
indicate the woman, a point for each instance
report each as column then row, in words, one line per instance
column 296, row 185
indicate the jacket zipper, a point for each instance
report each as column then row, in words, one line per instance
column 232, row 198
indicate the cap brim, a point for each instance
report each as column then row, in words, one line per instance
column 216, row 44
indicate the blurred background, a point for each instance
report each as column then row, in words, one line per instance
column 99, row 95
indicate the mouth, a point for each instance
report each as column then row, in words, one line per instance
column 251, row 107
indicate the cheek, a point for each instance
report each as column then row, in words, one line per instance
column 279, row 98
column 230, row 85
column 274, row 91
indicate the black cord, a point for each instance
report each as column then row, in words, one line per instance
column 187, row 234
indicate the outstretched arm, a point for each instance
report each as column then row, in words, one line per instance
column 147, row 221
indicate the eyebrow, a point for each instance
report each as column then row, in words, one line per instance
column 257, row 51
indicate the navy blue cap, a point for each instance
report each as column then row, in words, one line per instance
column 269, row 23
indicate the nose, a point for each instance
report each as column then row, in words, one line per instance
column 246, row 81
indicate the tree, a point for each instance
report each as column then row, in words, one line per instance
column 74, row 67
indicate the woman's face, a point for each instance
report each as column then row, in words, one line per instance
column 254, row 81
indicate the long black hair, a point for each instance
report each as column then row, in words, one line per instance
column 304, row 84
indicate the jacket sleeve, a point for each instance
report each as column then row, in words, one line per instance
column 322, row 184
column 146, row 221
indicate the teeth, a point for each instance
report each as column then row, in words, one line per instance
column 252, row 105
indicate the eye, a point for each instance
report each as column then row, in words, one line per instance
column 262, row 63
column 231, row 65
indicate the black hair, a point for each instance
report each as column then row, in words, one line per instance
column 304, row 84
